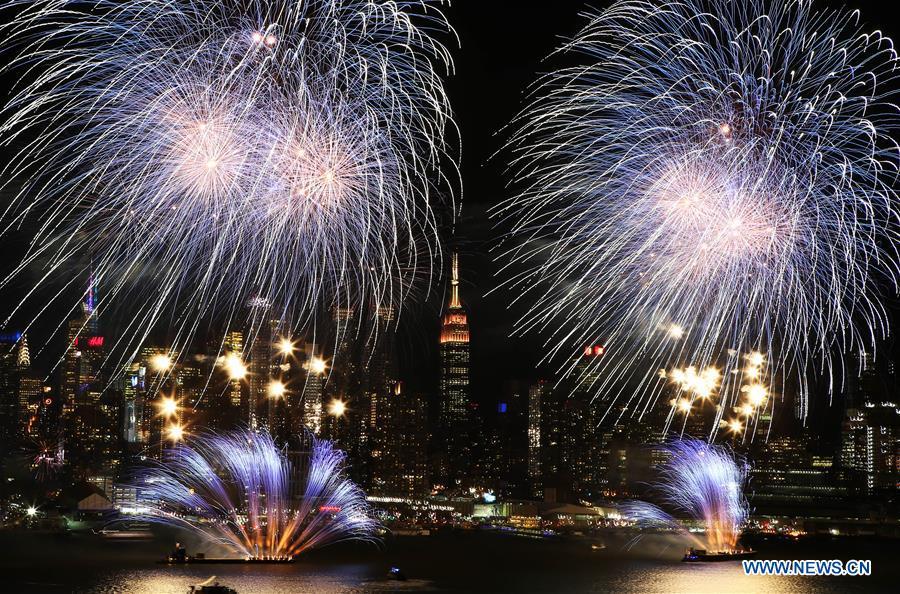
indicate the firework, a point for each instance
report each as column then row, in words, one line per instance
column 703, row 482
column 240, row 490
column 715, row 177
column 47, row 458
column 220, row 153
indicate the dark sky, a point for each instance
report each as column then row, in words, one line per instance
column 503, row 46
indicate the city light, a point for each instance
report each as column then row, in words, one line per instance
column 160, row 363
column 31, row 511
column 684, row 405
column 285, row 347
column 317, row 365
column 337, row 408
column 175, row 432
column 235, row 367
column 168, row 407
column 276, row 389
column 735, row 425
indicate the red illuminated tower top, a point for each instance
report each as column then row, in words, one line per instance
column 455, row 328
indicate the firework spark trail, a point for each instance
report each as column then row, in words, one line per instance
column 236, row 490
column 705, row 482
column 209, row 153
column 720, row 167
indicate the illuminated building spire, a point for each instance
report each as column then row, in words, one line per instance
column 454, row 282
column 90, row 298
column 455, row 327
column 23, row 358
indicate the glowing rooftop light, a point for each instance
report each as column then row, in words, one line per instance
column 31, row 511
column 756, row 359
column 684, row 405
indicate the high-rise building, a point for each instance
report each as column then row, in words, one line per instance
column 870, row 445
column 233, row 346
column 870, row 439
column 261, row 335
column 308, row 386
column 398, row 461
column 10, row 373
column 536, row 397
column 91, row 435
column 456, row 414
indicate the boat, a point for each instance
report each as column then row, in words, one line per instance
column 131, row 531
column 701, row 555
column 211, row 586
column 396, row 575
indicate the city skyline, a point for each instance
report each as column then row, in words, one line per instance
column 346, row 293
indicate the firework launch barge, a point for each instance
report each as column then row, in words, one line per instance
column 180, row 557
column 701, row 555
column 200, row 559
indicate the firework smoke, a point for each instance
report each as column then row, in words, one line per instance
column 240, row 490
column 714, row 179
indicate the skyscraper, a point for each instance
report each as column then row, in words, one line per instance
column 536, row 396
column 309, row 385
column 10, row 371
column 398, row 463
column 870, row 437
column 261, row 335
column 90, row 433
column 456, row 416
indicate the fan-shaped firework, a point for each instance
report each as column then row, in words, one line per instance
column 240, row 490
column 717, row 175
column 220, row 152
column 705, row 483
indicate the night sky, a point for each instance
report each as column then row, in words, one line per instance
column 504, row 49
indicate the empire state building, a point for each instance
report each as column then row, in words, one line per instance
column 455, row 412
